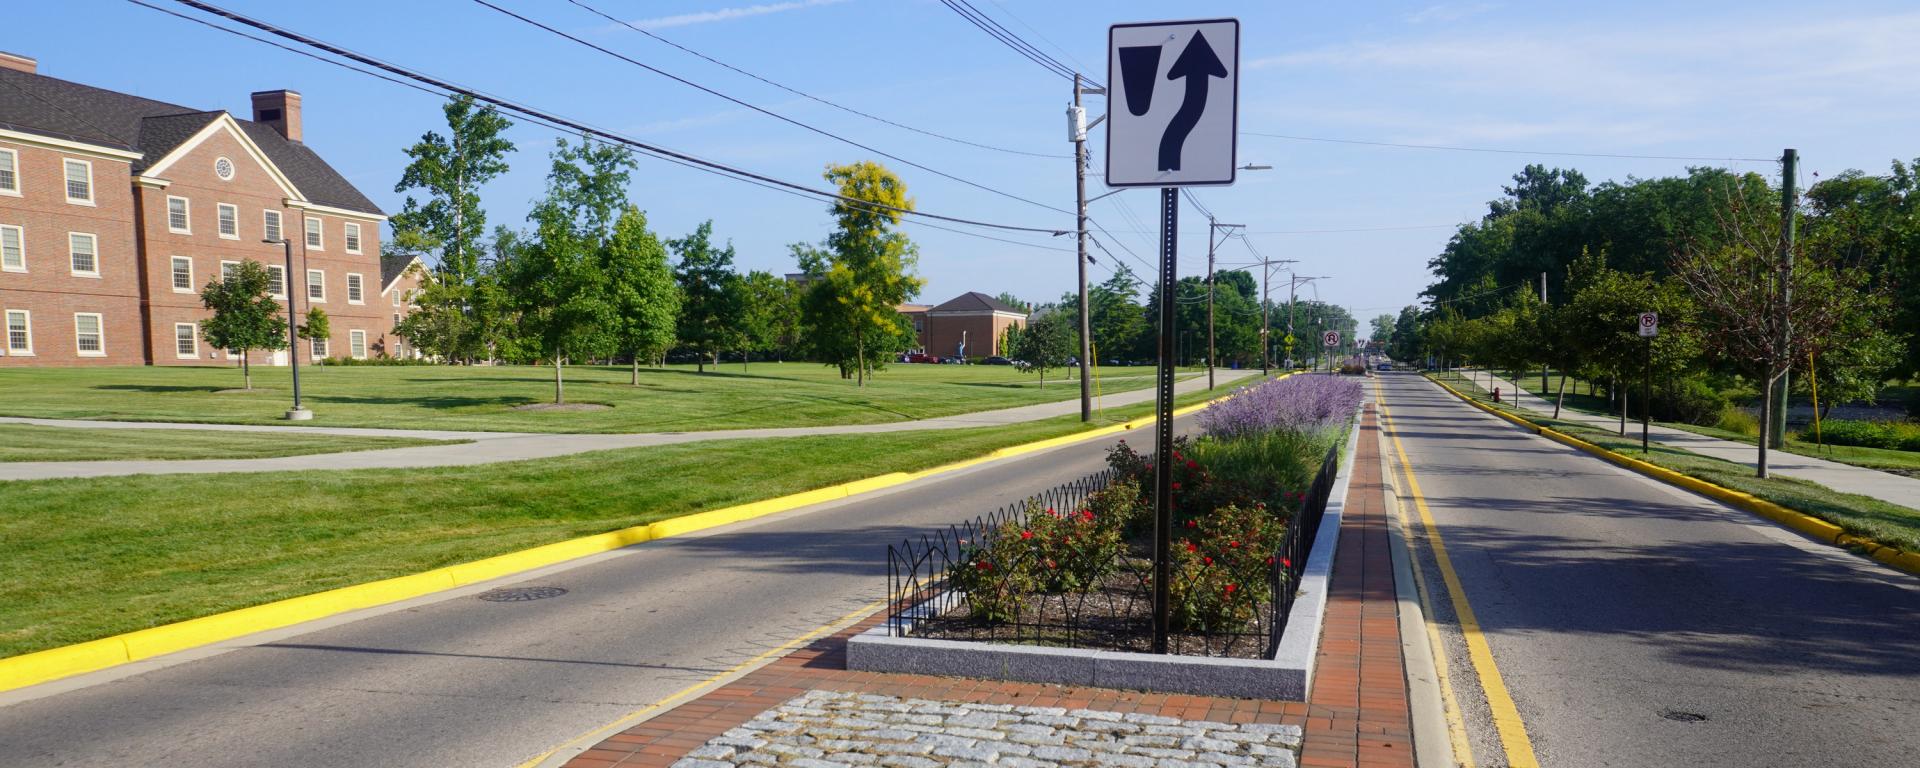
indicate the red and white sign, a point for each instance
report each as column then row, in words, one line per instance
column 1649, row 324
column 1330, row 338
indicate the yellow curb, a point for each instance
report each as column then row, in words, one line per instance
column 92, row 656
column 1810, row 526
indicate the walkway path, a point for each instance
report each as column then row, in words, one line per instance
column 1846, row 478
column 490, row 447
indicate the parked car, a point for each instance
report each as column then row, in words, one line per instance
column 921, row 357
column 1383, row 366
column 997, row 360
column 953, row 361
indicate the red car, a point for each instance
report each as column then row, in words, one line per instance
column 922, row 358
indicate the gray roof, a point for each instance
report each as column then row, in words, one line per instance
column 975, row 301
column 37, row 104
column 391, row 265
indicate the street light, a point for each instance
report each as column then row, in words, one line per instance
column 1252, row 167
column 298, row 412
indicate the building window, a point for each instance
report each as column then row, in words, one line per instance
column 229, row 221
column 186, row 345
column 177, row 220
column 355, row 292
column 317, row 348
column 272, row 219
column 316, row 285
column 223, row 168
column 13, row 248
column 182, row 274
column 357, row 344
column 87, row 336
column 276, row 281
column 396, row 321
column 227, row 268
column 314, row 240
column 9, row 172
column 19, row 332
column 397, row 300
column 79, row 181
column 84, row 251
column 353, row 237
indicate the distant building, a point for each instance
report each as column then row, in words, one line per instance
column 917, row 315
column 970, row 325
column 115, row 210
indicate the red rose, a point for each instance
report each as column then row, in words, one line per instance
column 1193, row 464
column 1191, row 547
column 1176, row 485
column 1209, row 560
column 1233, row 544
column 1024, row 535
column 1287, row 561
column 1231, row 588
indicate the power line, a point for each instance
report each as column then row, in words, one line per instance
column 1043, row 38
column 804, row 94
column 1324, row 231
column 991, row 237
column 555, row 121
column 994, row 30
column 765, row 111
column 1512, row 151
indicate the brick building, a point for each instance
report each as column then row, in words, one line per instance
column 116, row 210
column 970, row 325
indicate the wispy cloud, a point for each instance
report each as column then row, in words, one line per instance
column 1445, row 12
column 729, row 14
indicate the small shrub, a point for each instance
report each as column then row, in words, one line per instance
column 996, row 574
column 1222, row 564
column 1891, row 435
column 1738, row 421
column 1073, row 550
column 1692, row 401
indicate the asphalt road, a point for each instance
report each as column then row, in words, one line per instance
column 460, row 681
column 1612, row 603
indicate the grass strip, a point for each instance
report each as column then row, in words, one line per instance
column 82, row 559
column 32, row 442
column 1864, row 516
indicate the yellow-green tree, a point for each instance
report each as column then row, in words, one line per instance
column 863, row 273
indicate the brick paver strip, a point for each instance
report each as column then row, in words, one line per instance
column 1357, row 714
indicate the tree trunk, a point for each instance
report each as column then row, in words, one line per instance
column 1562, row 399
column 246, row 370
column 636, row 369
column 743, row 361
column 859, row 359
column 1623, row 405
column 1766, row 426
column 700, row 364
column 559, row 383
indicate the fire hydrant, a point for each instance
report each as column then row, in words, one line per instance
column 1496, row 394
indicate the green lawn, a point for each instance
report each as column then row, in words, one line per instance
column 82, row 559
column 1889, row 524
column 29, row 442
column 485, row 398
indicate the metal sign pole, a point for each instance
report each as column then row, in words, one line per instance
column 1163, row 423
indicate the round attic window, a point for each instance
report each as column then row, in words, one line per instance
column 223, row 168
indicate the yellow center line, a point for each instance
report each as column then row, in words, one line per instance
column 1506, row 717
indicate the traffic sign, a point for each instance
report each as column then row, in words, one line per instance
column 1330, row 338
column 1289, row 341
column 1168, row 123
column 1649, row 324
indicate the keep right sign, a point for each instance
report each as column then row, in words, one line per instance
column 1649, row 324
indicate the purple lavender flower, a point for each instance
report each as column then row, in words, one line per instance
column 1296, row 403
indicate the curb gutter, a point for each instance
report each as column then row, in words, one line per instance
column 1807, row 525
column 66, row 661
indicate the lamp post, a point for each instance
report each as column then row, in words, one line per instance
column 298, row 412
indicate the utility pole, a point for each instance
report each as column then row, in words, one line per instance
column 1789, row 165
column 1543, row 365
column 1077, row 131
column 1212, row 227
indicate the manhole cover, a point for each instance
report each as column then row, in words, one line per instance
column 520, row 594
column 1684, row 717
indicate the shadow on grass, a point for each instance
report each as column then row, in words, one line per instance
column 169, row 388
column 437, row 402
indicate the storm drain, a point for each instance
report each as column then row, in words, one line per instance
column 1684, row 717
column 520, row 594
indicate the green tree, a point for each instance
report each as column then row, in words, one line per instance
column 1045, row 344
column 317, row 326
column 641, row 289
column 457, row 309
column 245, row 316
column 863, row 273
column 771, row 320
column 712, row 306
column 566, row 309
column 1382, row 329
column 1603, row 326
column 1404, row 343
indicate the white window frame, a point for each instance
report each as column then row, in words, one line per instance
column 270, row 222
column 100, row 322
column 13, row 156
column 356, row 283
column 396, row 296
column 318, row 349
column 26, row 322
column 322, row 285
column 221, row 219
column 273, row 269
column 186, row 215
column 20, row 238
column 357, row 344
column 173, row 273
column 193, row 341
column 66, row 186
column 227, row 266
column 316, row 233
column 350, row 237
column 93, row 244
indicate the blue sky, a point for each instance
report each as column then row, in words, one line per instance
column 1710, row 79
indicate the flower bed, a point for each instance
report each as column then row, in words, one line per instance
column 1077, row 571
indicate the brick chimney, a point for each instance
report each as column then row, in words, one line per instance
column 19, row 63
column 279, row 109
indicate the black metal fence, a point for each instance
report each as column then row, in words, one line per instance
column 922, row 600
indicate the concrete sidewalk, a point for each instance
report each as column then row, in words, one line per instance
column 1846, row 478
column 491, row 447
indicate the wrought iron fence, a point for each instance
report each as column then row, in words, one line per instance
column 921, row 597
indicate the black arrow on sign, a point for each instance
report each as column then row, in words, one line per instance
column 1198, row 64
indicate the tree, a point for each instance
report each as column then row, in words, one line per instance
column 565, row 306
column 641, row 290
column 245, row 316
column 450, row 170
column 317, row 326
column 1382, row 330
column 1117, row 319
column 771, row 319
column 712, row 305
column 1404, row 343
column 1045, row 344
column 864, row 271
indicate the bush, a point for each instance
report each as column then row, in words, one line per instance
column 1891, row 435
column 1073, row 550
column 1222, row 567
column 1738, row 421
column 1693, row 401
column 350, row 362
column 996, row 575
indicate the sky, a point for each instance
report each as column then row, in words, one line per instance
column 1731, row 80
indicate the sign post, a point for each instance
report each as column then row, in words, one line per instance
column 1649, row 328
column 1170, row 126
column 1330, row 339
